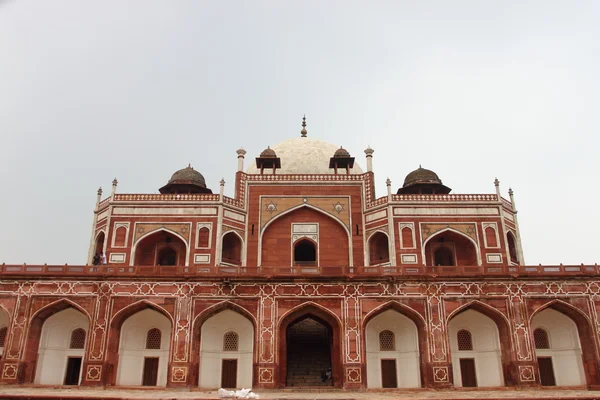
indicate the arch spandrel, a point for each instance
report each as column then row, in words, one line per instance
column 274, row 207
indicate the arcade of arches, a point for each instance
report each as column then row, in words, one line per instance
column 310, row 347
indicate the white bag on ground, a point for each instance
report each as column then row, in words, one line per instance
column 237, row 394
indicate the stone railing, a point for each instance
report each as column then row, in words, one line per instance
column 445, row 197
column 306, row 177
column 199, row 272
column 166, row 197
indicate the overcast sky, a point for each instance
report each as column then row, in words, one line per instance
column 92, row 90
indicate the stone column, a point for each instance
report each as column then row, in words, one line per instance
column 180, row 373
column 95, row 367
column 12, row 366
column 524, row 372
column 440, row 368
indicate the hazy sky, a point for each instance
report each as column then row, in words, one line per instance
column 92, row 90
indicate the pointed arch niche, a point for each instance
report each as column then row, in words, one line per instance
column 451, row 248
column 280, row 235
column 137, row 331
column 161, row 247
column 401, row 357
column 572, row 351
column 57, row 348
column 217, row 345
column 489, row 346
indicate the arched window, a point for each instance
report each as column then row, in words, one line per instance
column 3, row 332
column 232, row 249
column 407, row 237
column 540, row 337
column 464, row 340
column 512, row 248
column 120, row 236
column 231, row 341
column 203, row 237
column 153, row 338
column 490, row 237
column 167, row 256
column 100, row 243
column 443, row 257
column 305, row 253
column 77, row 339
column 387, row 341
column 379, row 251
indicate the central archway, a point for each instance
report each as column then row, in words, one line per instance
column 310, row 348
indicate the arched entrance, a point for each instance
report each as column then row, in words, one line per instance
column 309, row 349
column 392, row 350
column 557, row 349
column 226, row 351
column 160, row 248
column 62, row 348
column 308, row 353
column 476, row 351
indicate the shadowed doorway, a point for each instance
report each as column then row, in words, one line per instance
column 309, row 353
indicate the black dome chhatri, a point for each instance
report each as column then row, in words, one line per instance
column 268, row 153
column 185, row 181
column 423, row 181
column 341, row 153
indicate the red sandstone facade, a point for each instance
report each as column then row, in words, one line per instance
column 293, row 245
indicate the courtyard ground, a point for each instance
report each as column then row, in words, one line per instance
column 48, row 393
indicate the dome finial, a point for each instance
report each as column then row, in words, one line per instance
column 303, row 132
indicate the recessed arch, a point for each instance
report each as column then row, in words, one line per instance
column 232, row 252
column 99, row 241
column 114, row 332
column 511, row 240
column 35, row 331
column 320, row 314
column 585, row 332
column 504, row 335
column 378, row 244
column 163, row 229
column 419, row 322
column 197, row 323
column 449, row 229
column 271, row 255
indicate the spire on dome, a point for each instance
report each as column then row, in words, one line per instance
column 303, row 132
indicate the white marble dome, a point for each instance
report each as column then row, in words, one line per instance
column 304, row 155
